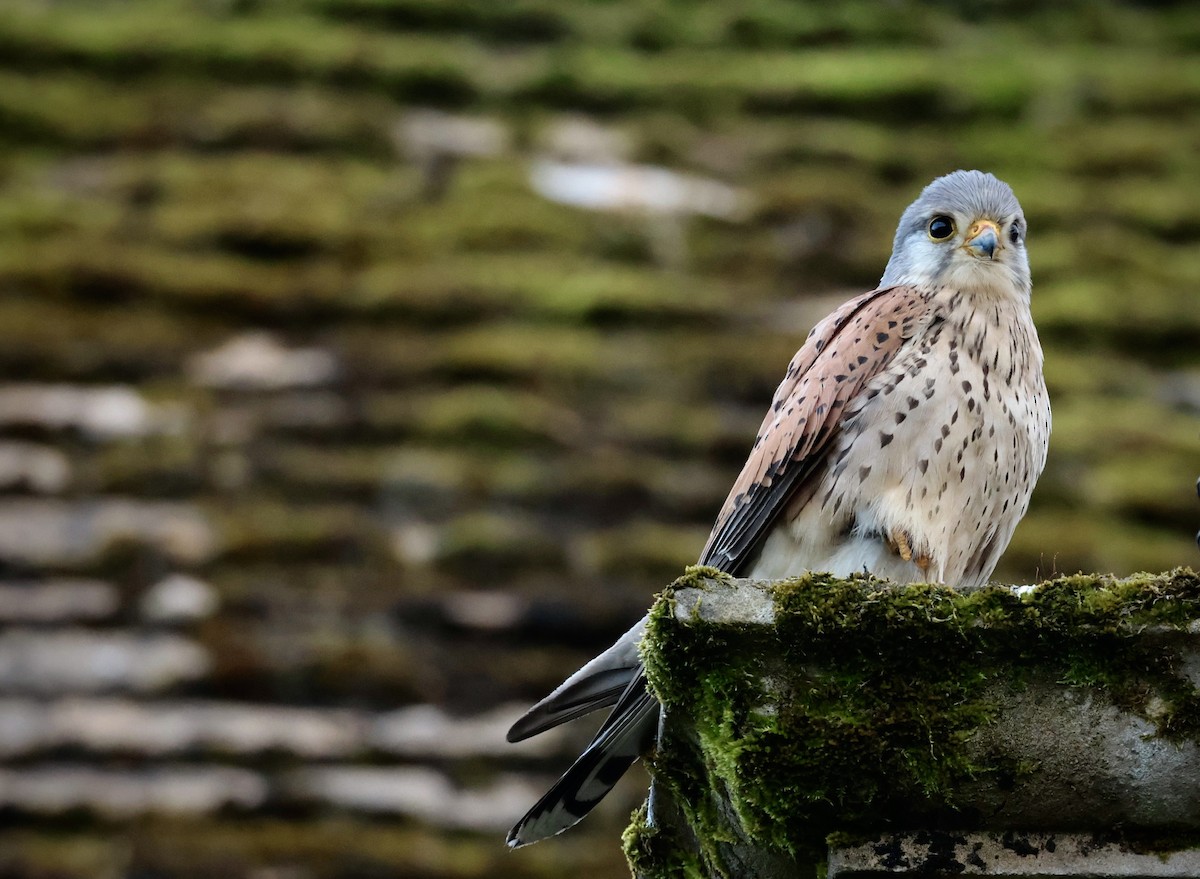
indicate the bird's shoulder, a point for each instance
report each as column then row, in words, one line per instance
column 854, row 343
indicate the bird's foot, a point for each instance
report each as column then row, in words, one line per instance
column 902, row 544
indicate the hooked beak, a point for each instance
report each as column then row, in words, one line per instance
column 982, row 239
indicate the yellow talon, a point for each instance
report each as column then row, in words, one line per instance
column 901, row 544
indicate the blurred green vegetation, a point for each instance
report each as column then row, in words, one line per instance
column 559, row 410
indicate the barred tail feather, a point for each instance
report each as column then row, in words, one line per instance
column 627, row 733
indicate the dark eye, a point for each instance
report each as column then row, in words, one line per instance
column 941, row 228
column 1014, row 234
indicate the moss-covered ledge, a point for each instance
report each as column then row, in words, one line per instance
column 819, row 709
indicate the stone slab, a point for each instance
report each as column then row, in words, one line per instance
column 1002, row 855
column 1089, row 762
column 1037, row 714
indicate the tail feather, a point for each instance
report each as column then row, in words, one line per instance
column 567, row 703
column 597, row 685
column 628, row 732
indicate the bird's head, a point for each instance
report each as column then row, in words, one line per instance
column 966, row 231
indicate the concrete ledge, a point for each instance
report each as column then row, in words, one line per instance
column 1004, row 855
column 817, row 708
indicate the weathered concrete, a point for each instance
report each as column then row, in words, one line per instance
column 1003, row 855
column 79, row 660
column 416, row 791
column 64, row 533
column 260, row 362
column 166, row 789
column 33, row 727
column 58, row 600
column 818, row 708
column 101, row 413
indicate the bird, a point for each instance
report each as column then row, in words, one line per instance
column 904, row 440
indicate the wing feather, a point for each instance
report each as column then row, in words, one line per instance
column 841, row 355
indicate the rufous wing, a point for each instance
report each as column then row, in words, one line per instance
column 838, row 360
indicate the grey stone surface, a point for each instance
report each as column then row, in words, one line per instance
column 303, row 409
column 424, row 133
column 112, row 724
column 126, row 793
column 488, row 610
column 1181, row 389
column 259, row 361
column 739, row 602
column 1096, row 764
column 1090, row 772
column 123, row 725
column 103, row 413
column 418, row 792
column 427, row 730
column 649, row 189
column 1001, row 855
column 578, row 138
column 80, row 660
column 1092, row 763
column 39, row 468
column 57, row 600
column 179, row 598
column 54, row 533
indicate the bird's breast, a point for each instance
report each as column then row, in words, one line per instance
column 944, row 446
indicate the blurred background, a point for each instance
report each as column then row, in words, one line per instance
column 369, row 364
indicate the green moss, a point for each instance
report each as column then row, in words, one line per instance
column 653, row 851
column 341, row 471
column 488, row 544
column 52, row 340
column 857, row 706
column 266, row 528
column 160, row 466
column 324, row 847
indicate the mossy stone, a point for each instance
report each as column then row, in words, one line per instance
column 813, row 706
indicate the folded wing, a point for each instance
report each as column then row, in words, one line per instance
column 839, row 358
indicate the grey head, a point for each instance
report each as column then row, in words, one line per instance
column 966, row 231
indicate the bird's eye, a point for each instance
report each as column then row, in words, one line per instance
column 941, row 228
column 1014, row 234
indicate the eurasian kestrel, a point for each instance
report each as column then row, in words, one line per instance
column 905, row 440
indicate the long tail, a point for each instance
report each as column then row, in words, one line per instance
column 597, row 685
column 615, row 677
column 628, row 732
